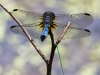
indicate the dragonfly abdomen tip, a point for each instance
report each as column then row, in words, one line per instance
column 43, row 37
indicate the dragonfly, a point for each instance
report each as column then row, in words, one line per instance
column 39, row 25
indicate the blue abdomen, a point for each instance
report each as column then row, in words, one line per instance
column 45, row 32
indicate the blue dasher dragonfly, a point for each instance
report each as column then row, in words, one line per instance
column 38, row 25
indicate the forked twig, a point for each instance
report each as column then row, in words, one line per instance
column 54, row 45
column 48, row 62
column 26, row 33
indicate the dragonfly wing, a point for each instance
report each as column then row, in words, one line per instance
column 27, row 17
column 77, row 20
column 34, row 31
column 73, row 32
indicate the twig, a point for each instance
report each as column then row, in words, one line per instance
column 48, row 62
column 49, row 65
column 26, row 33
column 63, row 33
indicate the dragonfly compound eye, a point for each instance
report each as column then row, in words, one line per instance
column 50, row 14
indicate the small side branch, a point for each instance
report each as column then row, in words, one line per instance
column 28, row 36
column 63, row 33
column 49, row 65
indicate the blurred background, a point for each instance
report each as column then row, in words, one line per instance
column 79, row 56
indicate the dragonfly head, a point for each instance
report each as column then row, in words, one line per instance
column 49, row 15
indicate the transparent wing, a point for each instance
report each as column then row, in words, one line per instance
column 77, row 20
column 72, row 33
column 27, row 17
column 33, row 30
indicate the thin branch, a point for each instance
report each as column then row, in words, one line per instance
column 63, row 33
column 28, row 36
column 58, row 41
column 49, row 65
column 48, row 62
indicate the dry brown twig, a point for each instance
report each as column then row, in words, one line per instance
column 28, row 36
column 48, row 62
